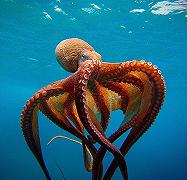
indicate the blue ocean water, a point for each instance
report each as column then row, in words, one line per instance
column 120, row 30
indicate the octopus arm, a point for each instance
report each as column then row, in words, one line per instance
column 55, row 108
column 150, row 102
column 98, row 96
column 61, row 111
column 86, row 73
column 138, row 84
column 125, row 96
column 29, row 121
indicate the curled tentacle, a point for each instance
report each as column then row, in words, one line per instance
column 29, row 123
column 141, row 123
column 89, row 69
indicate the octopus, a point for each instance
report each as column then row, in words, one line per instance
column 82, row 104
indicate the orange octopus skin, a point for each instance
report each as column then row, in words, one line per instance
column 137, row 88
column 82, row 108
column 138, row 124
column 29, row 122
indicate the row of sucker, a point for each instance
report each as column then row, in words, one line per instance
column 127, row 125
column 28, row 120
column 100, row 102
column 124, row 98
column 89, row 70
column 158, row 84
column 115, row 87
column 39, row 101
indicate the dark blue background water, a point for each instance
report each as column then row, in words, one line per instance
column 119, row 30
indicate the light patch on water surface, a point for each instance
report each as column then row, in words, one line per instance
column 46, row 15
column 88, row 10
column 166, row 7
column 60, row 10
column 137, row 11
column 181, row 2
column 139, row 1
column 32, row 59
column 95, row 6
column 150, row 4
column 57, row 9
column 93, row 9
column 122, row 26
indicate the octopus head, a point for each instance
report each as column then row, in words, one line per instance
column 71, row 53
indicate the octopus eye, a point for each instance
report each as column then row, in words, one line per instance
column 84, row 57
